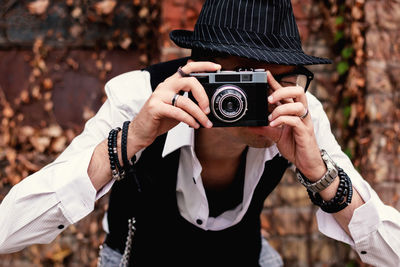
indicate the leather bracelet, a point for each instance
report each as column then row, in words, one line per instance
column 129, row 165
column 124, row 143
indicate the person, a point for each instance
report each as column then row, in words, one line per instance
column 185, row 193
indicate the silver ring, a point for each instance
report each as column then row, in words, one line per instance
column 175, row 99
column 182, row 73
column 304, row 115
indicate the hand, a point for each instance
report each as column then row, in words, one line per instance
column 296, row 139
column 158, row 115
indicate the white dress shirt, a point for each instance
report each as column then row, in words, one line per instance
column 38, row 208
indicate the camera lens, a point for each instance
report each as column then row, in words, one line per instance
column 229, row 103
column 230, row 106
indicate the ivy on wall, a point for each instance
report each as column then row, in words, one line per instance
column 345, row 19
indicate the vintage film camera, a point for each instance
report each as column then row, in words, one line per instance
column 237, row 98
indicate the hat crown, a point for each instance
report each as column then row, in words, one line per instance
column 267, row 17
column 264, row 30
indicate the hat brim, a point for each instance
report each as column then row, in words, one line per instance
column 185, row 39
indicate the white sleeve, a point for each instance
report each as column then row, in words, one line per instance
column 374, row 227
column 42, row 205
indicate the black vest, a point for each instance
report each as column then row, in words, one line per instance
column 163, row 237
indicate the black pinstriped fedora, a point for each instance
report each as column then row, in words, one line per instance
column 264, row 30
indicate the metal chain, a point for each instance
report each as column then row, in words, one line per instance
column 128, row 244
column 99, row 257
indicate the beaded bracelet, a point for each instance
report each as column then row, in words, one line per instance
column 338, row 202
column 114, row 171
column 117, row 171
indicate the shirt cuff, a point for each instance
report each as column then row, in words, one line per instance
column 73, row 186
column 363, row 220
column 104, row 190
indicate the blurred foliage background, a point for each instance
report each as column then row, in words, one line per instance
column 56, row 56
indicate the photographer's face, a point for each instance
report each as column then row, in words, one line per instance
column 251, row 136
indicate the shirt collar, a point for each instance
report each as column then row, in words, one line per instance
column 178, row 137
column 182, row 135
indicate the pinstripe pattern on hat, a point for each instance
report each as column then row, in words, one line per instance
column 264, row 30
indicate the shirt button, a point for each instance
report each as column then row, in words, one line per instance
column 199, row 222
column 363, row 252
column 60, row 226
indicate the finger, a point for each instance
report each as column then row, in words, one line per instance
column 275, row 86
column 293, row 121
column 295, row 93
column 200, row 66
column 291, row 109
column 194, row 110
column 179, row 115
column 272, row 82
column 193, row 85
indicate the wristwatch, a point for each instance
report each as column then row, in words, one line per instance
column 326, row 180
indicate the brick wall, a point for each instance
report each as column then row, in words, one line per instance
column 382, row 165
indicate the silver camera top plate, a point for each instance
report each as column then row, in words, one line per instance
column 258, row 76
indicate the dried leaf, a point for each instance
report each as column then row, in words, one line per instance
column 36, row 72
column 356, row 12
column 24, row 96
column 36, row 92
column 125, row 43
column 27, row 164
column 40, row 143
column 99, row 64
column 108, row 66
column 26, row 131
column 76, row 13
column 38, row 7
column 47, row 84
column 59, row 144
column 144, row 12
column 8, row 112
column 87, row 113
column 105, row 7
column 76, row 30
column 41, row 64
column 93, row 228
column 47, row 96
column 11, row 155
column 60, row 255
column 72, row 63
column 48, row 106
column 52, row 131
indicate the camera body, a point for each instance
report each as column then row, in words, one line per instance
column 237, row 98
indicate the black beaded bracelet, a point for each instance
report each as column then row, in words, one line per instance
column 341, row 199
column 117, row 171
column 114, row 170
